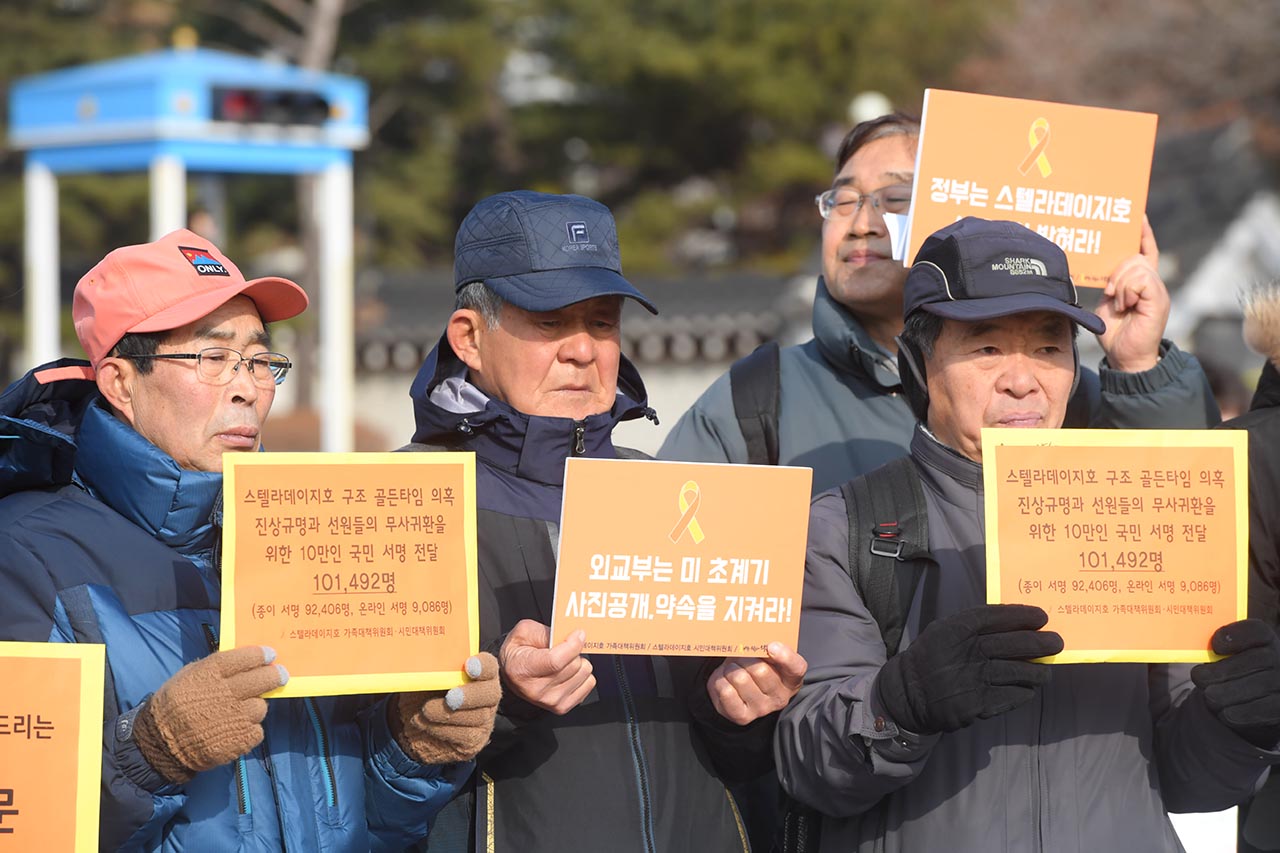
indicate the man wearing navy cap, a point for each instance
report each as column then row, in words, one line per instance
column 589, row 752
column 959, row 741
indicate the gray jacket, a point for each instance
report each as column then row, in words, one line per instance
column 1090, row 765
column 843, row 413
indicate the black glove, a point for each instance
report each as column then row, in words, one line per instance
column 1243, row 689
column 969, row 666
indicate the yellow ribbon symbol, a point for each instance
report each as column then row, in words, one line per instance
column 1038, row 139
column 688, row 509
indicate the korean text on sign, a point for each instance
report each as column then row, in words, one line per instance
column 358, row 569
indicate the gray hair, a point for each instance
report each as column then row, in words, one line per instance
column 477, row 297
column 920, row 331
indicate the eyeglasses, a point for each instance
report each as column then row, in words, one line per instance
column 846, row 202
column 217, row 365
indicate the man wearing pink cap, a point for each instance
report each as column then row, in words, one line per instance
column 110, row 523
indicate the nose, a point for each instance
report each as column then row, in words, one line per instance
column 578, row 347
column 867, row 221
column 243, row 388
column 1018, row 379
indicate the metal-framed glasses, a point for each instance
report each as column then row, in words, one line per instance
column 846, row 201
column 217, row 365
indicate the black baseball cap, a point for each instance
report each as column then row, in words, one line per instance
column 979, row 269
column 540, row 251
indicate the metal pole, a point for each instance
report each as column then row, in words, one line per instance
column 40, row 241
column 168, row 195
column 337, row 308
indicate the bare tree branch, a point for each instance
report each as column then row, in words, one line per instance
column 382, row 109
column 320, row 36
column 295, row 10
column 254, row 23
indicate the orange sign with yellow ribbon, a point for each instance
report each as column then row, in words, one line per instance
column 1076, row 175
column 680, row 558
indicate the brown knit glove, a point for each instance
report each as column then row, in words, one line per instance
column 209, row 713
column 440, row 728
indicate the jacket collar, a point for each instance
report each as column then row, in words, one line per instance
column 1267, row 396
column 449, row 410
column 847, row 345
column 954, row 476
column 141, row 482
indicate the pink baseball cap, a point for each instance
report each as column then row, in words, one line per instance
column 155, row 287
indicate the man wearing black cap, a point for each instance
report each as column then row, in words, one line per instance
column 589, row 752
column 959, row 741
column 838, row 406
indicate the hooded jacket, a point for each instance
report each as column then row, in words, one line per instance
column 638, row 766
column 1091, row 763
column 842, row 411
column 104, row 539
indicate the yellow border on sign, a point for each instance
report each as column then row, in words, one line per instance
column 88, row 784
column 1237, row 440
column 375, row 682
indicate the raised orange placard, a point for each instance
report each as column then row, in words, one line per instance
column 50, row 746
column 1076, row 175
column 359, row 569
column 681, row 558
column 1135, row 542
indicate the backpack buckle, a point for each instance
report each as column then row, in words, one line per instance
column 886, row 540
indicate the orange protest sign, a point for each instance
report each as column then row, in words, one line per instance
column 1135, row 542
column 1076, row 175
column 678, row 558
column 50, row 746
column 359, row 569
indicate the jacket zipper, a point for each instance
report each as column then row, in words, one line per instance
column 326, row 764
column 637, row 753
column 579, row 438
column 242, row 787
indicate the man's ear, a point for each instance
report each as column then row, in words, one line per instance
column 465, row 330
column 115, row 378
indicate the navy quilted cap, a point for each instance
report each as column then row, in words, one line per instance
column 541, row 252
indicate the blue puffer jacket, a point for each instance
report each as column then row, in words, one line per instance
column 103, row 539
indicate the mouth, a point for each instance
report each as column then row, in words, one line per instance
column 1021, row 420
column 243, row 437
column 863, row 256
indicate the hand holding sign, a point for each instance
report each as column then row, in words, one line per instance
column 439, row 727
column 1243, row 689
column 746, row 689
column 1135, row 307
column 969, row 666
column 554, row 678
column 208, row 713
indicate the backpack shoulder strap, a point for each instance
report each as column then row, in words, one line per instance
column 755, row 385
column 888, row 543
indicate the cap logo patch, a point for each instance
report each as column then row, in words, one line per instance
column 579, row 239
column 577, row 232
column 203, row 261
column 1021, row 266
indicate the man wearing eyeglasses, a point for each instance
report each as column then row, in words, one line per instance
column 837, row 403
column 110, row 524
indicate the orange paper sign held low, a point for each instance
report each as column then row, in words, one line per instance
column 50, row 746
column 1135, row 542
column 359, row 569
column 681, row 558
column 1077, row 175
